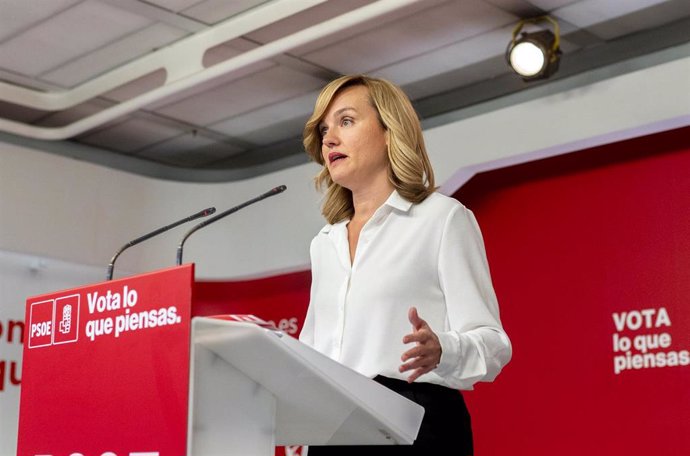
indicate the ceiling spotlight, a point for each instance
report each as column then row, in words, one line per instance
column 534, row 55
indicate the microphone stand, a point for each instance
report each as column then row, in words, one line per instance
column 111, row 265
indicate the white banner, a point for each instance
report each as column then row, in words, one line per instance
column 22, row 276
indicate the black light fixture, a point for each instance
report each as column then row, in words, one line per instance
column 534, row 55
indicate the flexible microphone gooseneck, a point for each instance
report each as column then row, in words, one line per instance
column 269, row 193
column 111, row 265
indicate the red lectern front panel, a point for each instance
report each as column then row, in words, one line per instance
column 106, row 368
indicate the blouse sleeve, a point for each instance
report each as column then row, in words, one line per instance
column 475, row 348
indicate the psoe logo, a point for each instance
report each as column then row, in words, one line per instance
column 55, row 321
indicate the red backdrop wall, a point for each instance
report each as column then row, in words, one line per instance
column 282, row 299
column 588, row 251
column 572, row 240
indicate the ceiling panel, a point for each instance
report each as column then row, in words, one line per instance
column 589, row 12
column 136, row 87
column 183, row 146
column 214, row 11
column 550, row 5
column 402, row 13
column 271, row 123
column 448, row 58
column 423, row 32
column 260, row 89
column 522, row 8
column 174, row 5
column 26, row 81
column 268, row 115
column 91, row 25
column 189, row 150
column 17, row 16
column 467, row 76
column 271, row 134
column 652, row 17
column 304, row 19
column 131, row 135
column 113, row 55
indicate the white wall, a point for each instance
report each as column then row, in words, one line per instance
column 76, row 211
column 66, row 209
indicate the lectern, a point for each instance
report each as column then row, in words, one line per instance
column 120, row 368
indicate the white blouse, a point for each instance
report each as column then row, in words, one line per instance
column 429, row 255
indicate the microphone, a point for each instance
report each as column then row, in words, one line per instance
column 269, row 193
column 111, row 265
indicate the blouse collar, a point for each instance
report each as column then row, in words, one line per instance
column 394, row 201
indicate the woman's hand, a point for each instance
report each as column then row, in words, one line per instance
column 426, row 354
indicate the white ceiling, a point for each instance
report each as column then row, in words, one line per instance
column 212, row 84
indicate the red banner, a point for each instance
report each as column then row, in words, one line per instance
column 106, row 368
column 279, row 300
column 590, row 256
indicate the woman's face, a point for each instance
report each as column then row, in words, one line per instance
column 354, row 143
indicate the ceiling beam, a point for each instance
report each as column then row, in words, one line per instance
column 179, row 77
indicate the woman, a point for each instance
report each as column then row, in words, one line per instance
column 401, row 290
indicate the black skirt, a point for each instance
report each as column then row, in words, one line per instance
column 445, row 429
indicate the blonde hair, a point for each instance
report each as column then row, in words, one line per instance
column 409, row 169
